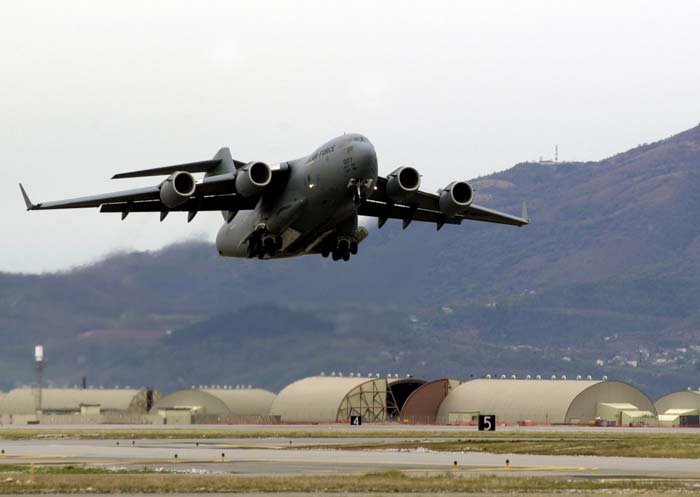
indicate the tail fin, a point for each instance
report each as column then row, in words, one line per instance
column 220, row 164
column 225, row 164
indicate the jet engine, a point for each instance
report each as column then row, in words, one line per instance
column 402, row 184
column 177, row 189
column 252, row 178
column 455, row 197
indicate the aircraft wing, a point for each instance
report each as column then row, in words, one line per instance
column 212, row 193
column 424, row 206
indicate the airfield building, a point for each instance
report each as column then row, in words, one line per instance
column 679, row 408
column 548, row 402
column 215, row 404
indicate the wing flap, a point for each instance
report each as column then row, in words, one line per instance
column 137, row 194
column 478, row 213
column 218, row 203
column 393, row 211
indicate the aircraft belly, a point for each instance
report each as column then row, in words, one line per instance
column 231, row 236
column 289, row 236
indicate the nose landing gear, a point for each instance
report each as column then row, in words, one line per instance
column 358, row 185
column 262, row 243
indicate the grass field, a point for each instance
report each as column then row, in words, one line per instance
column 73, row 481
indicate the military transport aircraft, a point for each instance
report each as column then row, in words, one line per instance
column 303, row 206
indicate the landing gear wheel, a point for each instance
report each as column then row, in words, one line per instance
column 353, row 247
column 269, row 245
column 253, row 247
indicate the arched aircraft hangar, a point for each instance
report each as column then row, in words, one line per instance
column 219, row 401
column 546, row 401
column 336, row 398
column 71, row 400
column 679, row 408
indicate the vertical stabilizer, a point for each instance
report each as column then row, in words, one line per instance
column 225, row 166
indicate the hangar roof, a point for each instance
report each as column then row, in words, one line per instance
column 546, row 401
column 244, row 401
column 197, row 400
column 23, row 400
column 686, row 399
column 317, row 398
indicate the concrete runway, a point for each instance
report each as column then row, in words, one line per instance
column 273, row 456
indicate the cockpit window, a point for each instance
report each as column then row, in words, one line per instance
column 358, row 139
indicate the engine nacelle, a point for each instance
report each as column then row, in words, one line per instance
column 456, row 197
column 177, row 189
column 402, row 184
column 252, row 178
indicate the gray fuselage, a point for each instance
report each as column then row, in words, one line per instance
column 312, row 208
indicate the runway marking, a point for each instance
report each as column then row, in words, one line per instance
column 476, row 469
column 241, row 446
column 35, row 456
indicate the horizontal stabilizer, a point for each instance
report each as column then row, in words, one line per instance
column 190, row 167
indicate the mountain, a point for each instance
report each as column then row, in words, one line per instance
column 608, row 271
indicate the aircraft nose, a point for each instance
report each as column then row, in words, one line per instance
column 365, row 155
column 365, row 169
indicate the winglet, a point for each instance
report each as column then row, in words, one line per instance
column 28, row 203
column 524, row 213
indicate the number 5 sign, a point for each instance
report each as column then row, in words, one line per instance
column 487, row 422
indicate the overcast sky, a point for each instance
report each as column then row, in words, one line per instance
column 456, row 89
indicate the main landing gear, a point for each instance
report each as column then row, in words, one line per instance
column 261, row 244
column 342, row 249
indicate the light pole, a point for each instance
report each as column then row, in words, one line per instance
column 39, row 366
